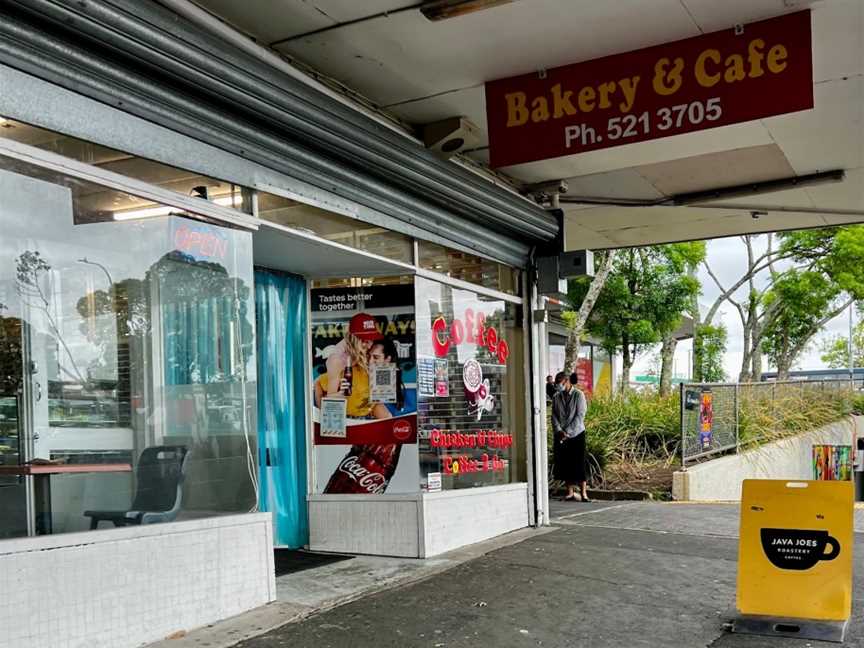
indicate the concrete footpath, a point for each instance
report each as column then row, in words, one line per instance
column 607, row 575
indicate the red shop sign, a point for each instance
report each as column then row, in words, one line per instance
column 689, row 85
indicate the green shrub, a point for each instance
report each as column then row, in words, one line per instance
column 636, row 427
column 630, row 433
column 858, row 404
column 640, row 427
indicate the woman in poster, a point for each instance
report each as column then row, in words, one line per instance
column 362, row 346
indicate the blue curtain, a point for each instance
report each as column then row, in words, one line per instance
column 280, row 306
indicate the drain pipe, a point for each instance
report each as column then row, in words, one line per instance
column 203, row 18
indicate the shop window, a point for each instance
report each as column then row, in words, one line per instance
column 181, row 181
column 360, row 282
column 125, row 344
column 335, row 227
column 468, row 267
column 470, row 388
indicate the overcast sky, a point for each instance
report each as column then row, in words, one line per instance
column 728, row 260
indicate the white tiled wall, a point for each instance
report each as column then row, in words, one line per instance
column 420, row 525
column 453, row 519
column 122, row 588
column 382, row 525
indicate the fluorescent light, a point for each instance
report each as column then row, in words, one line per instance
column 161, row 210
column 149, row 212
column 229, row 201
column 443, row 9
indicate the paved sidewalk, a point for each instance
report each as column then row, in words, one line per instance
column 304, row 593
column 608, row 575
column 629, row 575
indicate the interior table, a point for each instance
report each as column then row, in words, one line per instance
column 41, row 474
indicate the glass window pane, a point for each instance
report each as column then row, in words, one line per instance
column 133, row 347
column 335, row 227
column 471, row 387
column 468, row 267
column 180, row 180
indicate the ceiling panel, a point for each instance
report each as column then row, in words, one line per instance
column 405, row 56
column 831, row 219
column 345, row 10
column 614, row 226
column 712, row 15
column 622, row 184
column 830, row 135
column 722, row 169
column 274, row 20
column 268, row 20
column 848, row 194
column 838, row 38
column 470, row 103
column 631, row 155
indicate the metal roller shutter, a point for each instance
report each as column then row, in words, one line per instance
column 150, row 62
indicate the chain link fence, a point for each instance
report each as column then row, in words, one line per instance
column 722, row 417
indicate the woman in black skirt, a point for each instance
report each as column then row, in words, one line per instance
column 568, row 422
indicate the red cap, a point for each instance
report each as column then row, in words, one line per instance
column 363, row 326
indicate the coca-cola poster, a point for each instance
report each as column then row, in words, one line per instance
column 364, row 361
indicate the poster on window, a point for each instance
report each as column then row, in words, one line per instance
column 466, row 434
column 364, row 364
column 585, row 374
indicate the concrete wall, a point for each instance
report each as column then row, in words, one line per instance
column 720, row 479
column 120, row 588
column 415, row 526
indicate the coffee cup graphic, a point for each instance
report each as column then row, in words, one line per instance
column 798, row 549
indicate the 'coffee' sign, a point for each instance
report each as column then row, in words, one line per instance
column 716, row 79
column 471, row 330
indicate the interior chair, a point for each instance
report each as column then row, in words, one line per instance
column 159, row 493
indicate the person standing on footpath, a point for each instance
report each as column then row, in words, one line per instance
column 551, row 388
column 568, row 422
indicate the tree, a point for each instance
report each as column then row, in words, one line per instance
column 708, row 356
column 835, row 350
column 802, row 301
column 682, row 258
column 642, row 301
column 805, row 302
column 801, row 283
column 753, row 320
column 577, row 326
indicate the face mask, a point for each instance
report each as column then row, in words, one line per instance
column 559, row 387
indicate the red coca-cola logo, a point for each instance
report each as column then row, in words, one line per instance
column 401, row 430
column 372, row 482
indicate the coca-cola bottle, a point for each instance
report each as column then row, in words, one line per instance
column 366, row 469
column 347, row 379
